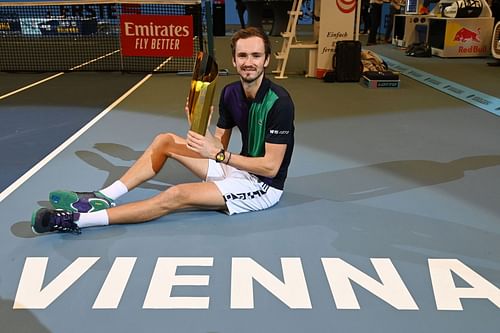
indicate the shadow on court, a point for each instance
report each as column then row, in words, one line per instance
column 352, row 184
column 19, row 321
column 386, row 178
column 161, row 182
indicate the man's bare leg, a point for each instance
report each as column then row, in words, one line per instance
column 204, row 195
column 152, row 160
column 195, row 195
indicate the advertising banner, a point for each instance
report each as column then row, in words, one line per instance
column 468, row 38
column 76, row 26
column 10, row 25
column 156, row 35
column 337, row 23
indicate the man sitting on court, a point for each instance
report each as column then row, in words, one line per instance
column 235, row 183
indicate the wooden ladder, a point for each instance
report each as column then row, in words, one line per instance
column 290, row 41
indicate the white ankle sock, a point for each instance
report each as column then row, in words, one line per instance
column 115, row 190
column 94, row 219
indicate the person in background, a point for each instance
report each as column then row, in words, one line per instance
column 495, row 9
column 375, row 14
column 395, row 8
column 241, row 8
column 365, row 15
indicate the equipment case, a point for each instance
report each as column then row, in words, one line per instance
column 347, row 61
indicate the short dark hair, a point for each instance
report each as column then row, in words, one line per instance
column 247, row 33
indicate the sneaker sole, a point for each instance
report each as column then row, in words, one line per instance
column 63, row 200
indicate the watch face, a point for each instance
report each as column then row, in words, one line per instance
column 220, row 156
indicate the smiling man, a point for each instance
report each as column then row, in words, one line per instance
column 250, row 180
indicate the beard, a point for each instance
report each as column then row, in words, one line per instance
column 250, row 77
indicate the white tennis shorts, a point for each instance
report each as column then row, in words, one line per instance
column 242, row 191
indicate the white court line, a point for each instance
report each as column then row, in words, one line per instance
column 31, row 85
column 14, row 186
column 55, row 75
column 94, row 60
column 162, row 64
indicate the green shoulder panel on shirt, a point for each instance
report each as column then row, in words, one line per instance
column 257, row 124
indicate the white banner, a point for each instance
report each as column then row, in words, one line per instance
column 337, row 22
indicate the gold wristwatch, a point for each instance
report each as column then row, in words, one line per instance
column 220, row 156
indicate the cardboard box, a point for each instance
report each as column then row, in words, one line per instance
column 379, row 83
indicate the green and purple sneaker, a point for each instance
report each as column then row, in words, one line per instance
column 80, row 202
column 49, row 220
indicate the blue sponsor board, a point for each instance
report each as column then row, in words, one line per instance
column 62, row 19
column 68, row 27
column 59, row 26
column 481, row 100
column 10, row 25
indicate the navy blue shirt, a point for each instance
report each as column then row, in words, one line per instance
column 267, row 118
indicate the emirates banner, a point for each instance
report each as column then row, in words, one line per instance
column 337, row 23
column 156, row 35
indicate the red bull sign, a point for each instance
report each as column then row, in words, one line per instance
column 466, row 37
column 156, row 35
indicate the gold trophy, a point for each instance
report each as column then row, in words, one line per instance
column 202, row 90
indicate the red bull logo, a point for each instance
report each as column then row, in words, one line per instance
column 464, row 35
column 473, row 49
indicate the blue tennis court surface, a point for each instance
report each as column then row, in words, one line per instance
column 390, row 222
